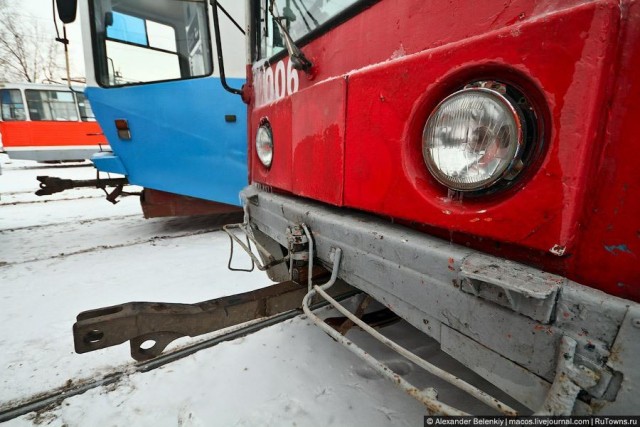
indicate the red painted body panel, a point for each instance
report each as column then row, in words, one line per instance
column 608, row 254
column 280, row 174
column 308, row 154
column 318, row 141
column 44, row 134
column 385, row 154
column 572, row 212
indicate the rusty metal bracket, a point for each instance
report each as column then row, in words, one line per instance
column 151, row 326
column 113, row 196
column 569, row 381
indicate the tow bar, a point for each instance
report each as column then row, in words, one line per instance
column 50, row 185
column 151, row 326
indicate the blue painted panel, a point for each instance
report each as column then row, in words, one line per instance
column 106, row 162
column 180, row 141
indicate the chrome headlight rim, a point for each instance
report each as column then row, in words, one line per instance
column 264, row 129
column 526, row 128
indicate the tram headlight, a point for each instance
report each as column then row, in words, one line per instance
column 473, row 139
column 264, row 144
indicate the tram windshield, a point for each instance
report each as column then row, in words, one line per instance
column 140, row 41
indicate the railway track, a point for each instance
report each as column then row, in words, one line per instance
column 56, row 397
column 15, row 202
column 9, row 167
column 27, row 243
column 73, row 246
column 65, row 223
column 69, row 238
column 107, row 247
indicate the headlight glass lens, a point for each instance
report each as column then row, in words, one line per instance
column 264, row 144
column 472, row 139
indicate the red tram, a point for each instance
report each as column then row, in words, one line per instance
column 47, row 123
column 475, row 165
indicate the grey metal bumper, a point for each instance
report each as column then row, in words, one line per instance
column 502, row 319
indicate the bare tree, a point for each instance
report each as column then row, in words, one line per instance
column 27, row 53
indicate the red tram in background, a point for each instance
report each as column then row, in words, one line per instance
column 47, row 123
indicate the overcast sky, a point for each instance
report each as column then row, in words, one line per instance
column 42, row 11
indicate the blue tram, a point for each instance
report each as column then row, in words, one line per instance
column 154, row 89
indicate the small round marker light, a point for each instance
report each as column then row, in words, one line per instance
column 473, row 139
column 264, row 144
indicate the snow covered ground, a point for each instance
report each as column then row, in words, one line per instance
column 74, row 251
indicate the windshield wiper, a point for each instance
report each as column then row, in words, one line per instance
column 299, row 60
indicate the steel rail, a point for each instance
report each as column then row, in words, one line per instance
column 31, row 202
column 108, row 247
